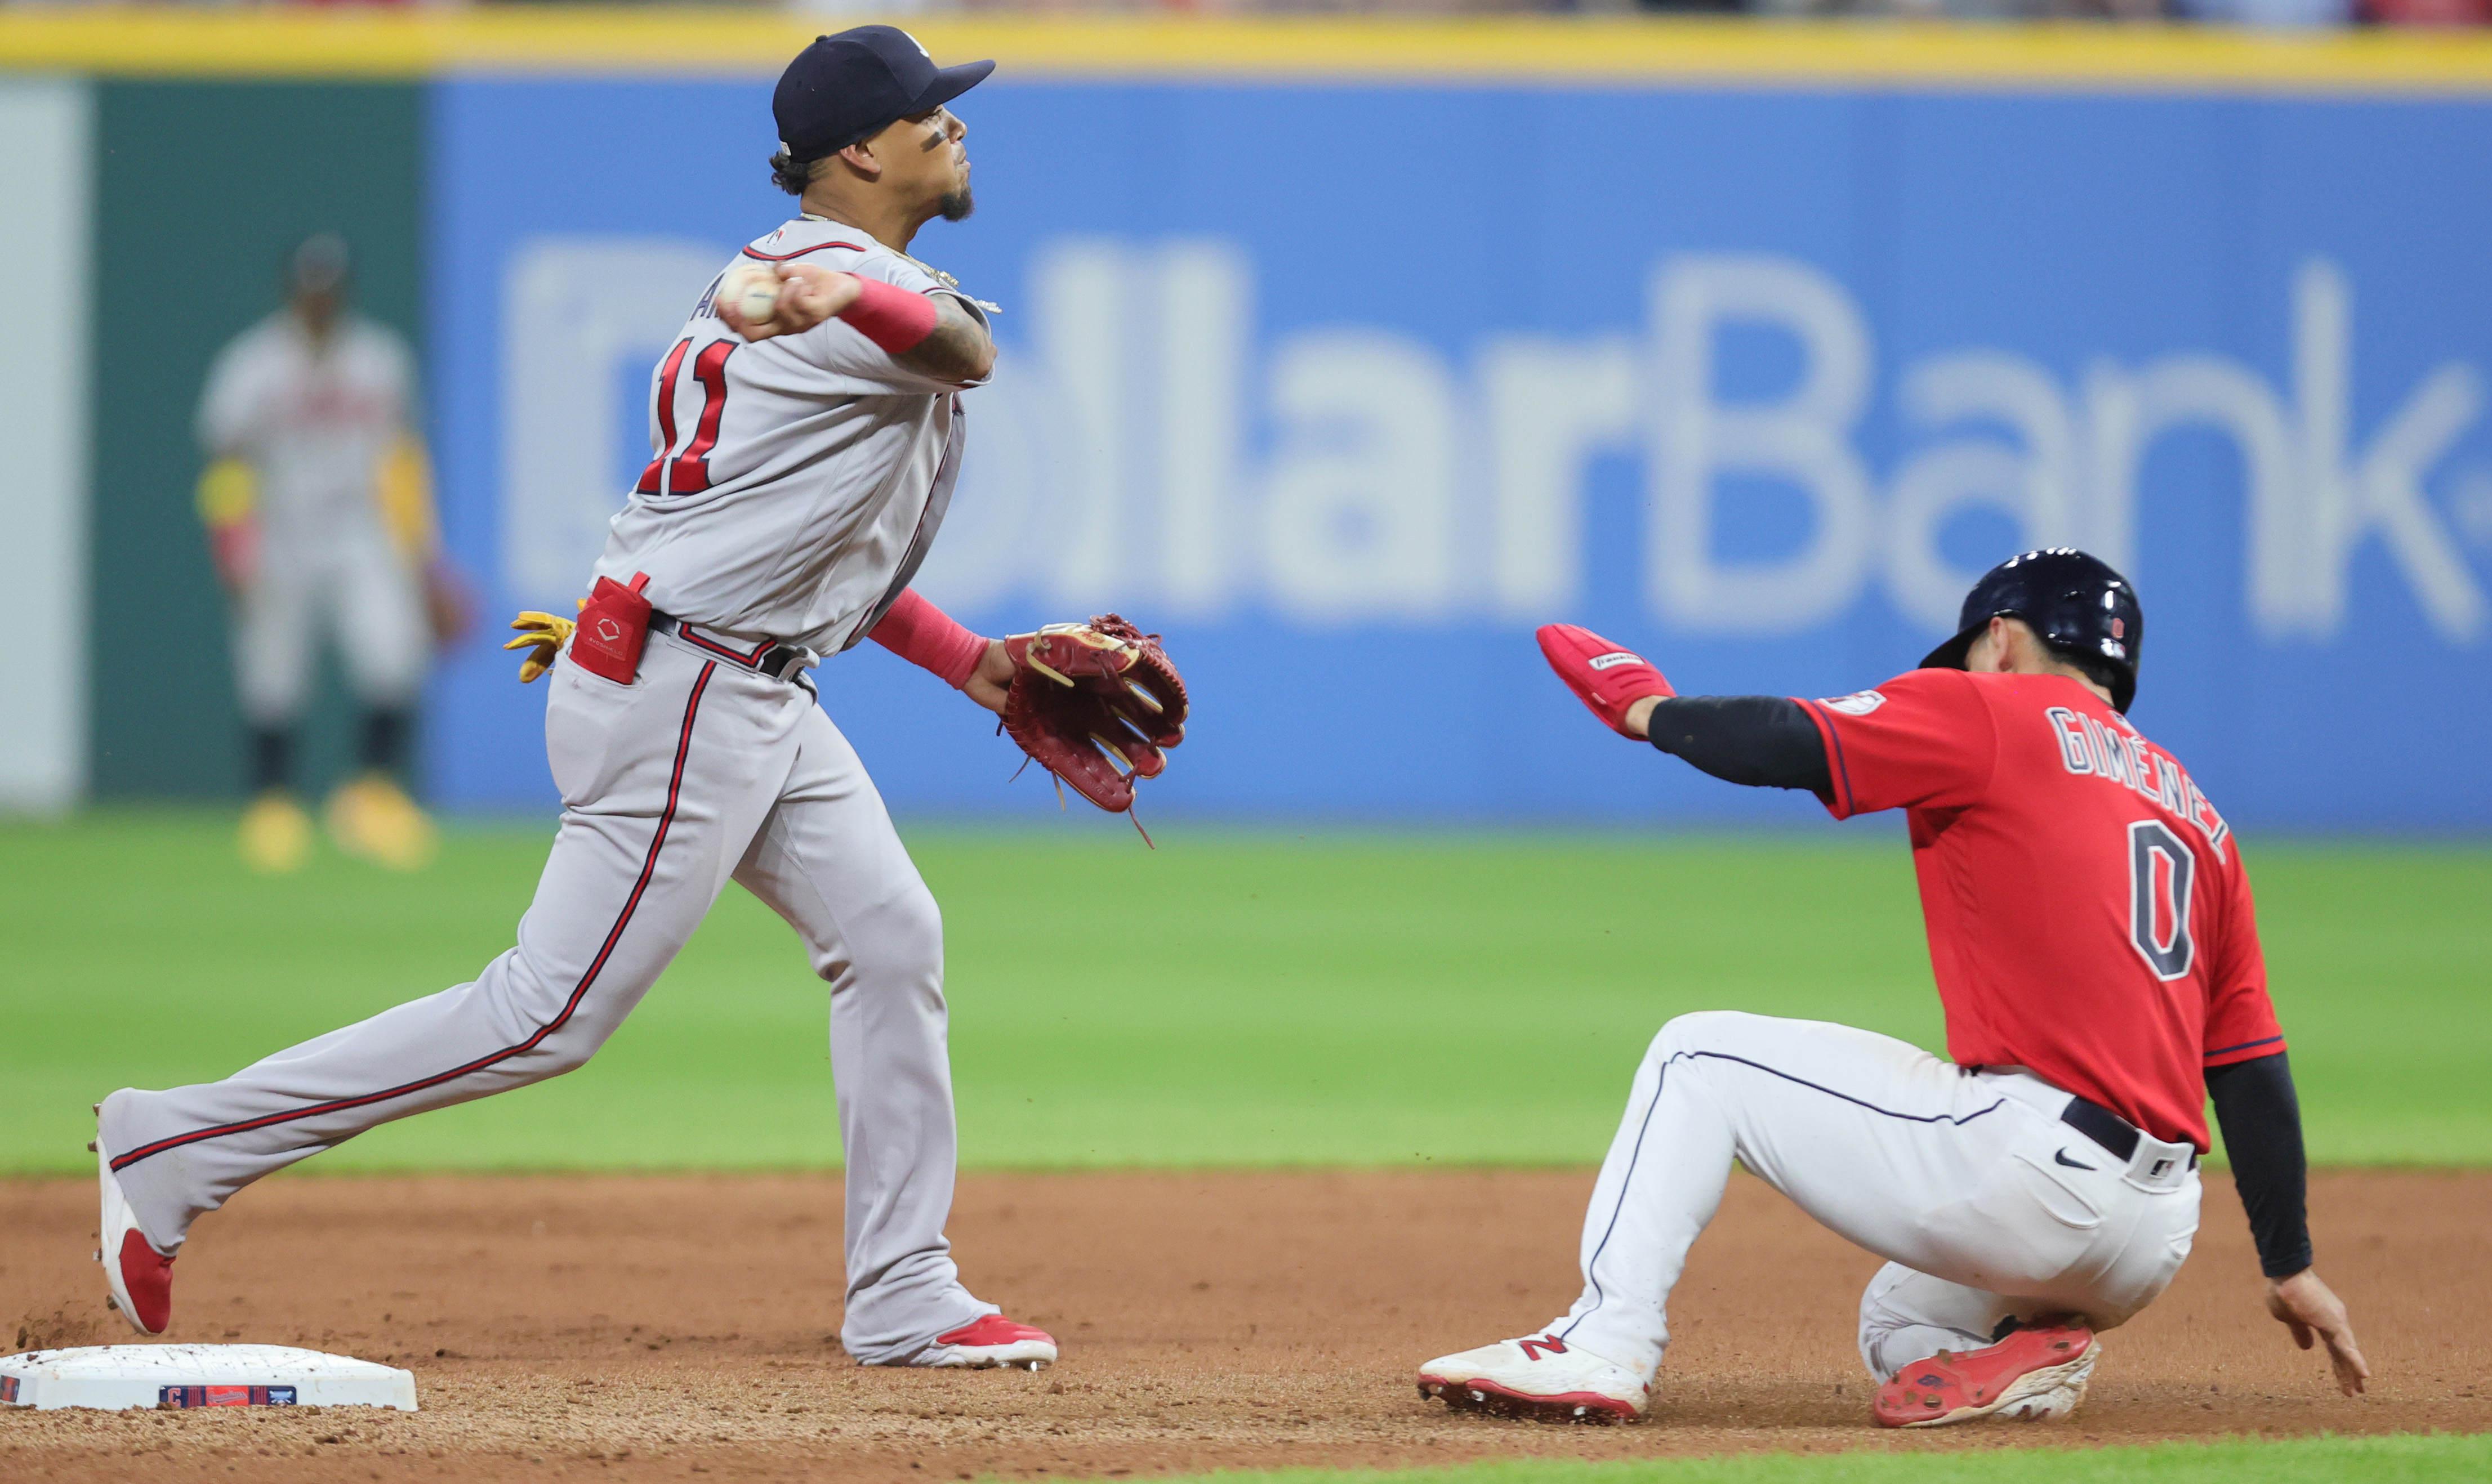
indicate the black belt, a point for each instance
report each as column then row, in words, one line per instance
column 770, row 657
column 2115, row 1134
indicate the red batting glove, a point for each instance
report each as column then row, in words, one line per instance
column 1603, row 675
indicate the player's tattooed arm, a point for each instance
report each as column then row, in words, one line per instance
column 959, row 348
column 956, row 348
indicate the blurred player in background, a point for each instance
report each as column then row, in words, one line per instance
column 318, row 503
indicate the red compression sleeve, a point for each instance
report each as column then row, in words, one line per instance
column 925, row 635
column 891, row 317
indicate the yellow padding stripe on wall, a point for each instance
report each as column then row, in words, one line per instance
column 1548, row 50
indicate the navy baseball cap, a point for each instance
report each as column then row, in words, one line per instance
column 848, row 87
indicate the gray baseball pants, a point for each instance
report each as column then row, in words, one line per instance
column 698, row 770
column 348, row 584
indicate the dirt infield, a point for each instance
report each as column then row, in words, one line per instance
column 627, row 1328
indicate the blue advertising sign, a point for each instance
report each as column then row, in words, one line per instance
column 1345, row 389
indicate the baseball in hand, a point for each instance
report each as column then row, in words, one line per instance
column 751, row 290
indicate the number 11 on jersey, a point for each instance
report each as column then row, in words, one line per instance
column 686, row 471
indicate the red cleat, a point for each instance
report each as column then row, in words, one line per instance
column 991, row 1340
column 2034, row 1375
column 140, row 1277
column 1603, row 675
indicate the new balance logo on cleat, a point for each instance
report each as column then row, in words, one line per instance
column 1539, row 1378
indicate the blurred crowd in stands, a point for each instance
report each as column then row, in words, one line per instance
column 2246, row 12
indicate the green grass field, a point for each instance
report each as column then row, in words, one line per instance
column 2408, row 1459
column 1232, row 999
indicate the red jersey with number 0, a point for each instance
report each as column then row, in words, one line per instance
column 2088, row 914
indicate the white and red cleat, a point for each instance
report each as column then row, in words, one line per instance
column 1539, row 1377
column 989, row 1341
column 140, row 1277
column 1604, row 677
column 2034, row 1375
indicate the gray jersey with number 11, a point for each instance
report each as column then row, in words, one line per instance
column 797, row 480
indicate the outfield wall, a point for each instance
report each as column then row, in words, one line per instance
column 47, row 124
column 203, row 188
column 1346, row 354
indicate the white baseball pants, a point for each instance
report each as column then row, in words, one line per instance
column 351, row 585
column 1985, row 1206
column 697, row 770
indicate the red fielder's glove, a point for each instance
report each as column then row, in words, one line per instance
column 1095, row 704
column 1603, row 675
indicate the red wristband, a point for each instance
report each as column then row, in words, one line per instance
column 927, row 637
column 891, row 317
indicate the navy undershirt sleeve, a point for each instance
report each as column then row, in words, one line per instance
column 1764, row 742
column 2262, row 1122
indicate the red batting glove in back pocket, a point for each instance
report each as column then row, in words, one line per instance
column 611, row 629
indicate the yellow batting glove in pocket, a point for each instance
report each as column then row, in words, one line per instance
column 542, row 635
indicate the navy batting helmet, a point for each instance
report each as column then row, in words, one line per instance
column 2073, row 602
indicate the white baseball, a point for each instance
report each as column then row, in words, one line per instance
column 754, row 289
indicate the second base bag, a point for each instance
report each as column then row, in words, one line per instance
column 611, row 629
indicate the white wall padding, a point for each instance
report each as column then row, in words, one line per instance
column 46, row 159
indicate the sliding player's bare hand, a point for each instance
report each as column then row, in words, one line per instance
column 2313, row 1312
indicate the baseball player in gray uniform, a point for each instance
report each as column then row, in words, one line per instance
column 319, row 519
column 803, row 462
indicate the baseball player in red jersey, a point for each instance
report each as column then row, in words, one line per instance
column 2094, row 947
column 803, row 464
